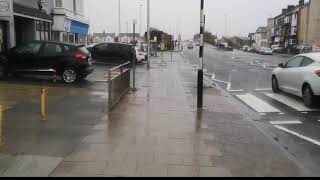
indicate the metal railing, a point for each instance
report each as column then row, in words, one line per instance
column 119, row 84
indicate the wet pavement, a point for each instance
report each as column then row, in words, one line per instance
column 246, row 77
column 153, row 132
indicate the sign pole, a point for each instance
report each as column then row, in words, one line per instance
column 200, row 70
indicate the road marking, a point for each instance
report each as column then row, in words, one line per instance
column 295, row 104
column 318, row 120
column 298, row 135
column 281, row 113
column 219, row 81
column 263, row 89
column 285, row 122
column 257, row 104
column 232, row 90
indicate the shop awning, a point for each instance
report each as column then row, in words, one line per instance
column 30, row 12
column 79, row 27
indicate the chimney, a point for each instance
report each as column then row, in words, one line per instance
column 301, row 3
column 284, row 11
column 291, row 7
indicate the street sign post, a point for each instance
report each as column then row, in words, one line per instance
column 200, row 70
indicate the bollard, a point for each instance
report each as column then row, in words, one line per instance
column 1, row 124
column 54, row 77
column 43, row 104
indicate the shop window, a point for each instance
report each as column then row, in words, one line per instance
column 42, row 30
column 65, row 37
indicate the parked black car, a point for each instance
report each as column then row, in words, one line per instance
column 113, row 53
column 71, row 62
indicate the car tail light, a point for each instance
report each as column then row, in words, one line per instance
column 318, row 73
column 80, row 57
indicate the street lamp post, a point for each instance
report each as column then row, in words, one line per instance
column 141, row 5
column 119, row 20
column 200, row 70
column 134, row 59
column 148, row 36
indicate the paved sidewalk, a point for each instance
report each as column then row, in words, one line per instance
column 158, row 132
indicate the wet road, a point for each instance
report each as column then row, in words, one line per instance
column 282, row 117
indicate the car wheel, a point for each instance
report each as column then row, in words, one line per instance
column 69, row 75
column 3, row 72
column 275, row 85
column 308, row 97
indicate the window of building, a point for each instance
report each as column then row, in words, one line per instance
column 58, row 3
column 66, row 4
column 42, row 30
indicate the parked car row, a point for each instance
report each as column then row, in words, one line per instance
column 69, row 61
column 259, row 50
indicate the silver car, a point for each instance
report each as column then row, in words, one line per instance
column 300, row 76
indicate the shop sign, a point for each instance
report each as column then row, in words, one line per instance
column 5, row 7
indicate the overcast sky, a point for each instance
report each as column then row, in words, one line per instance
column 183, row 16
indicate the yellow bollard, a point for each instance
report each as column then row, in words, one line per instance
column 43, row 104
column 1, row 124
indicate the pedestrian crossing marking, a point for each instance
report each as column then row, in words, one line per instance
column 295, row 104
column 285, row 122
column 298, row 135
column 257, row 104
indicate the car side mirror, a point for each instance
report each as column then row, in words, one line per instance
column 281, row 65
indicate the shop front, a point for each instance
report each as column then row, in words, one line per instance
column 69, row 30
column 6, row 25
column 31, row 24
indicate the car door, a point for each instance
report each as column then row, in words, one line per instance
column 24, row 56
column 288, row 75
column 50, row 56
column 114, row 53
column 100, row 52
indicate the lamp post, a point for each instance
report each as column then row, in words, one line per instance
column 119, row 20
column 141, row 5
column 134, row 59
column 148, row 36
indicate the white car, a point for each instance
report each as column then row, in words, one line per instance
column 300, row 76
column 141, row 56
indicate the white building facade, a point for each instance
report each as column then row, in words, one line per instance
column 22, row 21
column 69, row 23
column 27, row 20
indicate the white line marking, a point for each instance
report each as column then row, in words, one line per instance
column 295, row 104
column 263, row 89
column 219, row 81
column 240, row 90
column 232, row 90
column 304, row 113
column 281, row 113
column 298, row 135
column 229, row 86
column 285, row 122
column 257, row 104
